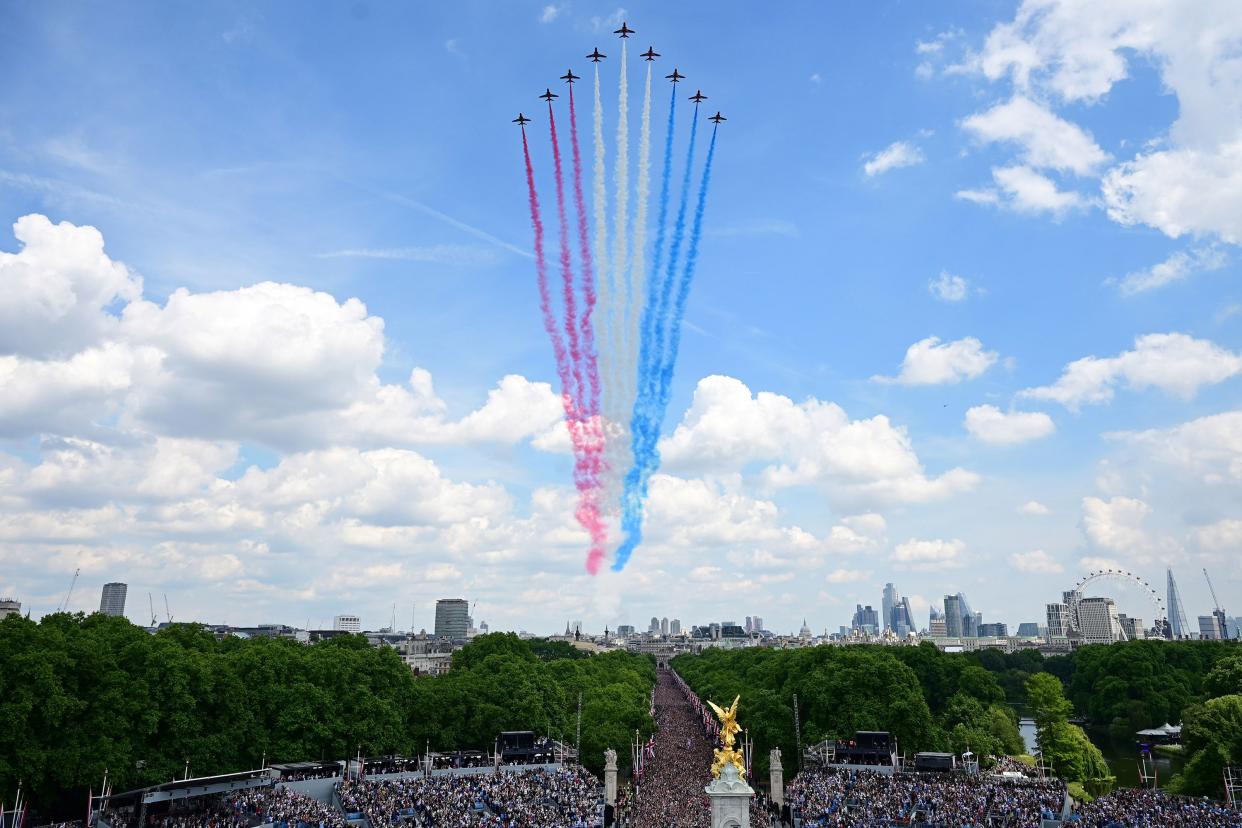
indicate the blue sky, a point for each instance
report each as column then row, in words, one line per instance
column 363, row 150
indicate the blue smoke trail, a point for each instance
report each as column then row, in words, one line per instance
column 683, row 287
column 654, row 282
column 658, row 367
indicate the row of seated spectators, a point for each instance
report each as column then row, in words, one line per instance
column 565, row 798
column 239, row 809
column 842, row 798
column 1138, row 808
column 858, row 799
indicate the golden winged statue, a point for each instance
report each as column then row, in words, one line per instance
column 729, row 728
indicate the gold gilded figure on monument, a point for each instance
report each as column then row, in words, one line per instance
column 729, row 728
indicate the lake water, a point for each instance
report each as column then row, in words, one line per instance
column 1120, row 754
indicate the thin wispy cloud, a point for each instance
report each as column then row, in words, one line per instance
column 448, row 254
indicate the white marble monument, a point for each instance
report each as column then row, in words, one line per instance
column 730, row 799
column 610, row 777
column 776, row 777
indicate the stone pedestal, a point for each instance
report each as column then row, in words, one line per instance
column 610, row 777
column 776, row 777
column 730, row 798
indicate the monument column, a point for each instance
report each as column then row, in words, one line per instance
column 610, row 777
column 730, row 799
column 776, row 777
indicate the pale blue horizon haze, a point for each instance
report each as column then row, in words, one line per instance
column 1054, row 195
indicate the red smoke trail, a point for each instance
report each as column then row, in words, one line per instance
column 584, row 431
column 567, row 283
column 595, row 558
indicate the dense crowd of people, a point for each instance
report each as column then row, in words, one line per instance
column 285, row 808
column 1138, row 808
column 669, row 793
column 565, row 798
column 838, row 798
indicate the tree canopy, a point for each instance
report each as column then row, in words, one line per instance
column 81, row 693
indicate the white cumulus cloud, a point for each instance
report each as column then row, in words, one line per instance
column 1174, row 363
column 1037, row 561
column 932, row 362
column 929, row 554
column 896, row 155
column 989, row 424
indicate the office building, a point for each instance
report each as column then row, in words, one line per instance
column 1209, row 628
column 347, row 623
column 865, row 620
column 674, row 627
column 112, row 602
column 936, row 626
column 625, row 630
column 997, row 630
column 452, row 618
column 888, row 603
column 758, row 623
column 9, row 606
column 664, row 626
column 1028, row 629
column 654, row 627
column 1058, row 622
column 1098, row 622
column 1132, row 627
column 953, row 615
column 1178, row 628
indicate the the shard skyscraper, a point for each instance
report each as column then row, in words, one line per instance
column 1177, row 616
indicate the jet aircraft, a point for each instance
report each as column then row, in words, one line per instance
column 676, row 76
column 698, row 96
column 717, row 118
column 521, row 120
column 624, row 31
column 596, row 56
column 569, row 76
column 548, row 95
column 651, row 54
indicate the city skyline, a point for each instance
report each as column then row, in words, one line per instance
column 955, row 327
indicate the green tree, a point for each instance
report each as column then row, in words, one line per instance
column 1212, row 734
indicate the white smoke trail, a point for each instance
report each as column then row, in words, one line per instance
column 638, row 260
column 603, row 334
column 619, row 310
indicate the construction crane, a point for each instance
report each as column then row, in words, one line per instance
column 151, row 604
column 65, row 604
column 167, row 611
column 1212, row 590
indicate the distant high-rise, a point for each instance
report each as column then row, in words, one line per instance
column 935, row 623
column 1209, row 628
column 749, row 624
column 347, row 623
column 1132, row 627
column 112, row 602
column 452, row 618
column 888, row 603
column 953, row 615
column 1177, row 615
column 1028, row 629
column 9, row 606
column 996, row 630
column 663, row 626
column 674, row 627
column 865, row 620
column 757, row 623
column 654, row 626
column 1058, row 621
column 1098, row 621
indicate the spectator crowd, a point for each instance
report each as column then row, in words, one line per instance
column 669, row 793
column 1140, row 808
column 565, row 798
column 839, row 798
